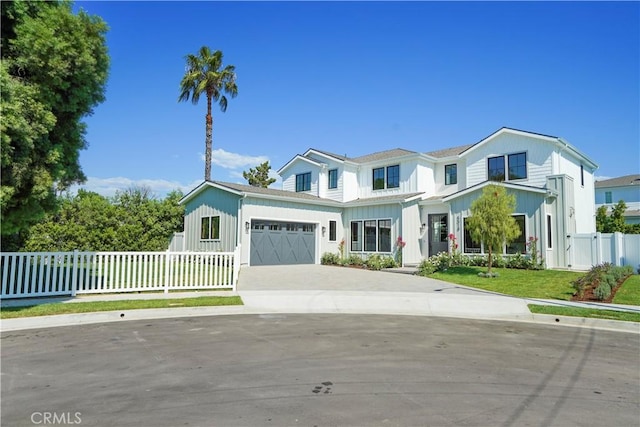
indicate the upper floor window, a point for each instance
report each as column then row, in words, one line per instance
column 495, row 168
column 333, row 178
column 582, row 175
column 303, row 181
column 517, row 166
column 608, row 198
column 450, row 174
column 378, row 179
column 391, row 178
column 210, row 228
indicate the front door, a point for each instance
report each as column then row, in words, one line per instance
column 438, row 234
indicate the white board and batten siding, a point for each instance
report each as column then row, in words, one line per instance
column 300, row 167
column 213, row 202
column 254, row 208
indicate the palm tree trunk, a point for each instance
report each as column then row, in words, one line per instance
column 208, row 141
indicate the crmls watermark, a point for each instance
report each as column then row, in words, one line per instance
column 56, row 418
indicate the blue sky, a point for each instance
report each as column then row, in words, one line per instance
column 358, row 77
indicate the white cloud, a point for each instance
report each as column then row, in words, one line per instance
column 109, row 186
column 229, row 160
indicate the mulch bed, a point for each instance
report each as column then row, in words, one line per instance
column 589, row 296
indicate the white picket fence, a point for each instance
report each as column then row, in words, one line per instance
column 589, row 249
column 36, row 274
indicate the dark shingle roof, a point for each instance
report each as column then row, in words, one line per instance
column 449, row 151
column 622, row 181
column 382, row 155
column 389, row 198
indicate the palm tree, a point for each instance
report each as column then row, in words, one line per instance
column 204, row 74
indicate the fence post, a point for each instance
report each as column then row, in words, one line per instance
column 236, row 267
column 168, row 271
column 74, row 274
column 618, row 247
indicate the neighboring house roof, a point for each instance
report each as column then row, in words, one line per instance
column 382, row 155
column 242, row 189
column 504, row 184
column 622, row 181
column 634, row 212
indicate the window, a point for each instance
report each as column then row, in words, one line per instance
column 384, row 235
column 303, row 182
column 470, row 245
column 608, row 198
column 517, row 166
column 210, row 228
column 332, row 231
column 582, row 175
column 495, row 168
column 378, row 179
column 356, row 236
column 549, row 245
column 393, row 176
column 519, row 244
column 333, row 178
column 450, row 174
column 377, row 235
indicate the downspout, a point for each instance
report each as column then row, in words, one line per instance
column 240, row 219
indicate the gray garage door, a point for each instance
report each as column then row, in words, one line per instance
column 277, row 243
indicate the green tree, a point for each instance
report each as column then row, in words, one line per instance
column 205, row 75
column 617, row 217
column 491, row 221
column 259, row 176
column 602, row 220
column 54, row 71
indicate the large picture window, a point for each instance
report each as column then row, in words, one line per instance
column 375, row 233
column 450, row 174
column 333, row 178
column 517, row 166
column 303, row 182
column 495, row 168
column 210, row 228
column 519, row 244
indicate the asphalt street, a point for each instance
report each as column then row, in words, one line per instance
column 279, row 369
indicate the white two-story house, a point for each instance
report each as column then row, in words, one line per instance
column 370, row 202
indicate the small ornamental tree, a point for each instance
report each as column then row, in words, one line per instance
column 259, row 176
column 491, row 221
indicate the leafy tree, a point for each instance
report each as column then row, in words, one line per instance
column 54, row 71
column 259, row 177
column 491, row 220
column 617, row 217
column 602, row 220
column 206, row 75
column 133, row 220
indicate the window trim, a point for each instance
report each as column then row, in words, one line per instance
column 210, row 221
column 526, row 170
column 549, row 232
column 374, row 179
column 302, row 182
column 335, row 183
column 504, row 170
column 389, row 185
column 333, row 231
column 360, row 224
column 453, row 181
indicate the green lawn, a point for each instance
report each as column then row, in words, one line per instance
column 585, row 312
column 545, row 284
column 629, row 292
column 86, row 307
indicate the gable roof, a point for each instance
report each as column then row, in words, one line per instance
column 448, row 152
column 403, row 197
column 503, row 184
column 326, row 153
column 621, row 181
column 248, row 190
column 382, row 155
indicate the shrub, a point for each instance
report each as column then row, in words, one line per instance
column 329, row 258
column 355, row 260
column 388, row 262
column 603, row 291
column 374, row 262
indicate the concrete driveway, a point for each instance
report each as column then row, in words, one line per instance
column 332, row 278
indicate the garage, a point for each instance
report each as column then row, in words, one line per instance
column 278, row 243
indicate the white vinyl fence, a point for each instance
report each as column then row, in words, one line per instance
column 587, row 250
column 35, row 274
